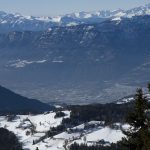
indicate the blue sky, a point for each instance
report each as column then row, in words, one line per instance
column 57, row 7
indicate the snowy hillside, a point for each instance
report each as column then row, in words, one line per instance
column 31, row 131
column 130, row 99
column 22, row 126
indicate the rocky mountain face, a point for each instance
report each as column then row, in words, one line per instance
column 87, row 63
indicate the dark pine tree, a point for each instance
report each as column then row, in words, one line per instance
column 37, row 148
column 8, row 140
column 138, row 135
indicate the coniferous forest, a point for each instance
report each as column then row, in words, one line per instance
column 138, row 135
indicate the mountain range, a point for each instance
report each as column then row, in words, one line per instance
column 18, row 22
column 86, row 63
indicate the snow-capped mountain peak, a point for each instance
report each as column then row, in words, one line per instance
column 18, row 22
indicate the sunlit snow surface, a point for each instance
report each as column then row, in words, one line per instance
column 43, row 122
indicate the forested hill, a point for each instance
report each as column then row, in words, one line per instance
column 12, row 102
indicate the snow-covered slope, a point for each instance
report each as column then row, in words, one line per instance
column 22, row 126
column 18, row 22
column 130, row 99
column 93, row 132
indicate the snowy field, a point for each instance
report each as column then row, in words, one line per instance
column 89, row 133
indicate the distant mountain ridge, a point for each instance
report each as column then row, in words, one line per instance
column 17, row 22
column 11, row 102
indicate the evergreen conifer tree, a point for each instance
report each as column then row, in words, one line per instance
column 138, row 135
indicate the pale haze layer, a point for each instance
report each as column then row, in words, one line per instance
column 60, row 7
